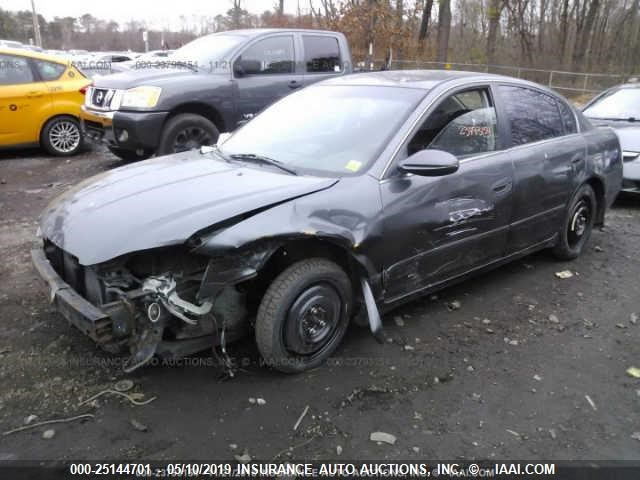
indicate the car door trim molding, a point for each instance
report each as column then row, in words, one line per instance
column 460, row 276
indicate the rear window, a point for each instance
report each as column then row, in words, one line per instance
column 321, row 54
column 49, row 71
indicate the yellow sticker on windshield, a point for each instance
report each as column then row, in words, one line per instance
column 353, row 165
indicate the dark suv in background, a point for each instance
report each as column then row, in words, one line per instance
column 207, row 87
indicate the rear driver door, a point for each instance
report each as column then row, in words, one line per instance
column 547, row 155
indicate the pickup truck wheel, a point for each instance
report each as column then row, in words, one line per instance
column 577, row 225
column 303, row 315
column 128, row 155
column 61, row 136
column 187, row 131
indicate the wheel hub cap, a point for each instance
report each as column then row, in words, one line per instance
column 579, row 222
column 64, row 136
column 312, row 319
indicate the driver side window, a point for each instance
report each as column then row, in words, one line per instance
column 463, row 124
column 268, row 56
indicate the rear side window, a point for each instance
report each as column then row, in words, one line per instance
column 49, row 71
column 14, row 70
column 568, row 118
column 533, row 115
column 321, row 54
column 268, row 56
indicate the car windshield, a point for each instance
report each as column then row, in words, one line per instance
column 621, row 104
column 204, row 52
column 326, row 130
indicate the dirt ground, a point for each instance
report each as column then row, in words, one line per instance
column 530, row 366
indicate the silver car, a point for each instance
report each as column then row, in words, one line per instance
column 619, row 108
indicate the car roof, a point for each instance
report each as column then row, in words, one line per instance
column 255, row 32
column 32, row 54
column 419, row 79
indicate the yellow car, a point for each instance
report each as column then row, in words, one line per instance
column 40, row 100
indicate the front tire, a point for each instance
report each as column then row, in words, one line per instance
column 304, row 315
column 577, row 225
column 187, row 131
column 61, row 136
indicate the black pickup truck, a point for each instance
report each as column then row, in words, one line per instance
column 207, row 87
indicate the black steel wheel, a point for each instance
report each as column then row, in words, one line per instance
column 303, row 315
column 577, row 225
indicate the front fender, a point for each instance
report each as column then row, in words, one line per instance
column 353, row 230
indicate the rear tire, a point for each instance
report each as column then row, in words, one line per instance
column 128, row 155
column 577, row 225
column 61, row 136
column 187, row 131
column 303, row 315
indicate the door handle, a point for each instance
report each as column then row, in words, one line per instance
column 35, row 94
column 294, row 84
column 576, row 160
column 502, row 188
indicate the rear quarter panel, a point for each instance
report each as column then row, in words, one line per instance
column 604, row 160
column 65, row 93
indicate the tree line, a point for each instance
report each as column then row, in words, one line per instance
column 576, row 35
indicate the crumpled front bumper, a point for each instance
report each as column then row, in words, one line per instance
column 110, row 325
column 92, row 321
column 142, row 128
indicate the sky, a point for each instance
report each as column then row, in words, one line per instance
column 157, row 13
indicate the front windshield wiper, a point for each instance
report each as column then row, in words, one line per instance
column 262, row 159
column 616, row 119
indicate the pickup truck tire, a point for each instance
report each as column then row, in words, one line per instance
column 187, row 131
column 61, row 136
column 128, row 155
column 577, row 225
column 303, row 315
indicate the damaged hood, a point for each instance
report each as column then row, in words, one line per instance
column 162, row 202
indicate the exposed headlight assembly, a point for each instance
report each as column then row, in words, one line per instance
column 140, row 97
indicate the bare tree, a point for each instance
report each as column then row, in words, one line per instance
column 424, row 23
column 444, row 28
column 494, row 14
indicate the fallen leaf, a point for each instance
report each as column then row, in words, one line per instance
column 383, row 438
column 564, row 274
column 634, row 372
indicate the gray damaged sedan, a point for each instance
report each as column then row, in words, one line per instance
column 335, row 204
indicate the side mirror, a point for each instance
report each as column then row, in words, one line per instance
column 242, row 67
column 430, row 163
column 238, row 70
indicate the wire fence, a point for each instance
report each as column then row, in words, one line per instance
column 570, row 83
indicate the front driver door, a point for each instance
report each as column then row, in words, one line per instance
column 263, row 73
column 441, row 227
